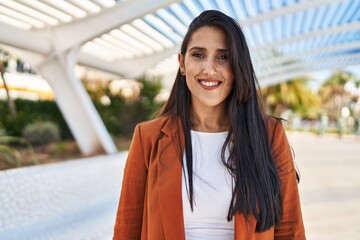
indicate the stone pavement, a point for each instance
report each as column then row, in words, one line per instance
column 329, row 186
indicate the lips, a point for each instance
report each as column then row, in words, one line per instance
column 209, row 85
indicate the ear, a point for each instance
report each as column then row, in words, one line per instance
column 181, row 63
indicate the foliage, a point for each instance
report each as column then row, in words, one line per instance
column 334, row 94
column 338, row 91
column 29, row 112
column 295, row 95
column 95, row 88
column 5, row 58
column 10, row 156
column 122, row 114
column 9, row 62
column 150, row 87
column 39, row 133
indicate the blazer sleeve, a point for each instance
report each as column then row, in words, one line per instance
column 130, row 210
column 291, row 226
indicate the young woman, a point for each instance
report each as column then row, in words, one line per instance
column 212, row 165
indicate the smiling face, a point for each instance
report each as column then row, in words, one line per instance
column 207, row 69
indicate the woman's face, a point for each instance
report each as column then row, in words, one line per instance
column 206, row 68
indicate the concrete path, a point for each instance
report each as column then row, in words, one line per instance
column 70, row 200
column 329, row 186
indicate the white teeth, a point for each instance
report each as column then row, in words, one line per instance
column 209, row 84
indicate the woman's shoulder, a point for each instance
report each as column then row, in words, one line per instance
column 280, row 146
column 274, row 125
column 154, row 124
column 149, row 132
column 156, row 128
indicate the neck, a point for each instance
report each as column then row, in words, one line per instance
column 213, row 119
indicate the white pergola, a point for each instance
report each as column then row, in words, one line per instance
column 287, row 38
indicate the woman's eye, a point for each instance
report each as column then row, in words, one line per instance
column 223, row 57
column 197, row 55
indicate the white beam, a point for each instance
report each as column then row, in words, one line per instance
column 127, row 68
column 316, row 61
column 301, row 69
column 273, row 61
column 25, row 55
column 85, row 29
column 331, row 30
column 287, row 10
column 283, row 77
column 28, row 40
column 75, row 104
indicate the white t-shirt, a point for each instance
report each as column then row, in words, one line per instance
column 212, row 190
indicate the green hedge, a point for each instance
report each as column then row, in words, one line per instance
column 31, row 112
column 120, row 117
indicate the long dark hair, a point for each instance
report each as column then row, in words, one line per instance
column 257, row 188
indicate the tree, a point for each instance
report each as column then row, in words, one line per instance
column 334, row 95
column 4, row 61
column 128, row 102
column 295, row 95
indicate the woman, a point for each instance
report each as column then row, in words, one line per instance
column 211, row 166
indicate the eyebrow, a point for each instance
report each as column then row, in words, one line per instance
column 204, row 49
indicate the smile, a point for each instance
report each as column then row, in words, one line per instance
column 209, row 84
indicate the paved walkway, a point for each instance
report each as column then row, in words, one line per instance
column 70, row 200
column 329, row 186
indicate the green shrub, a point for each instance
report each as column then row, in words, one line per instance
column 120, row 117
column 10, row 152
column 32, row 111
column 39, row 133
column 9, row 157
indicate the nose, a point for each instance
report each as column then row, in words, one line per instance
column 209, row 67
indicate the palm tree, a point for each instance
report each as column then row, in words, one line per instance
column 295, row 95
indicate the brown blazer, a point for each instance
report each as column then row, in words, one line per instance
column 150, row 206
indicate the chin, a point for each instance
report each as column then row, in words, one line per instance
column 212, row 103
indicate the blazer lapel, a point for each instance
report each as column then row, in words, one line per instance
column 170, row 181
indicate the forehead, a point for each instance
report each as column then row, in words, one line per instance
column 208, row 37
